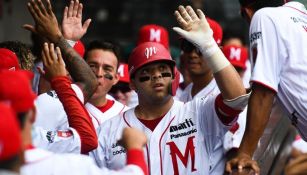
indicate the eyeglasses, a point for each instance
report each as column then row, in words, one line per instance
column 188, row 47
column 147, row 78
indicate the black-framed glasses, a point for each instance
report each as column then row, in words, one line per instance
column 188, row 47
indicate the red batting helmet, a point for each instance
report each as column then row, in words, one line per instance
column 150, row 52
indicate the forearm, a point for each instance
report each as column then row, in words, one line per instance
column 258, row 114
column 229, row 83
column 78, row 117
column 78, row 69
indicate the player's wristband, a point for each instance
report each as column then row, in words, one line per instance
column 215, row 58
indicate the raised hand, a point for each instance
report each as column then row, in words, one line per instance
column 195, row 28
column 46, row 24
column 72, row 27
column 53, row 61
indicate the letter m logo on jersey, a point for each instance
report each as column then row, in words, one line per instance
column 189, row 153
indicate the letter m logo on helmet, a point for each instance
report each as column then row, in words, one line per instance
column 150, row 51
column 146, row 53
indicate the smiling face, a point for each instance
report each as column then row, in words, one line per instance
column 102, row 63
column 152, row 82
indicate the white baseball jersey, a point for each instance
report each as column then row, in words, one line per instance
column 39, row 162
column 187, row 140
column 50, row 113
column 52, row 116
column 98, row 117
column 210, row 89
column 278, row 40
column 61, row 141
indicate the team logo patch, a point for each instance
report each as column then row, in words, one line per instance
column 50, row 136
column 187, row 124
column 150, row 51
column 255, row 36
column 52, row 94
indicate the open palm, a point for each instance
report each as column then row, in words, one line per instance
column 72, row 22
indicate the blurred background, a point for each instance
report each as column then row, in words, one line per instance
column 120, row 20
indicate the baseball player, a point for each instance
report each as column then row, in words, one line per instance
column 36, row 159
column 102, row 59
column 181, row 137
column 39, row 160
column 278, row 58
column 203, row 84
column 79, row 136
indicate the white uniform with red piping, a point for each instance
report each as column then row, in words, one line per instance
column 186, row 141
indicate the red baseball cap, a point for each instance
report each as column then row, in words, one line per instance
column 123, row 72
column 15, row 89
column 79, row 48
column 10, row 134
column 8, row 59
column 236, row 55
column 153, row 33
column 217, row 30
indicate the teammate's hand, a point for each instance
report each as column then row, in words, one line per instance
column 240, row 162
column 53, row 62
column 195, row 29
column 72, row 21
column 133, row 139
column 46, row 24
column 297, row 166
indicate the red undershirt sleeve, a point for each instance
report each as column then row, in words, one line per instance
column 136, row 157
column 225, row 113
column 77, row 115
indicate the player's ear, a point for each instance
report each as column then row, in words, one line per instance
column 115, row 79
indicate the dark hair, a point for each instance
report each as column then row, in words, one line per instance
column 23, row 52
column 258, row 4
column 104, row 45
column 11, row 163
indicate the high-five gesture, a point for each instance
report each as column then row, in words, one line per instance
column 195, row 29
column 72, row 27
column 46, row 24
column 53, row 61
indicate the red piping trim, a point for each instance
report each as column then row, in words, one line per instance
column 161, row 166
column 262, row 84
